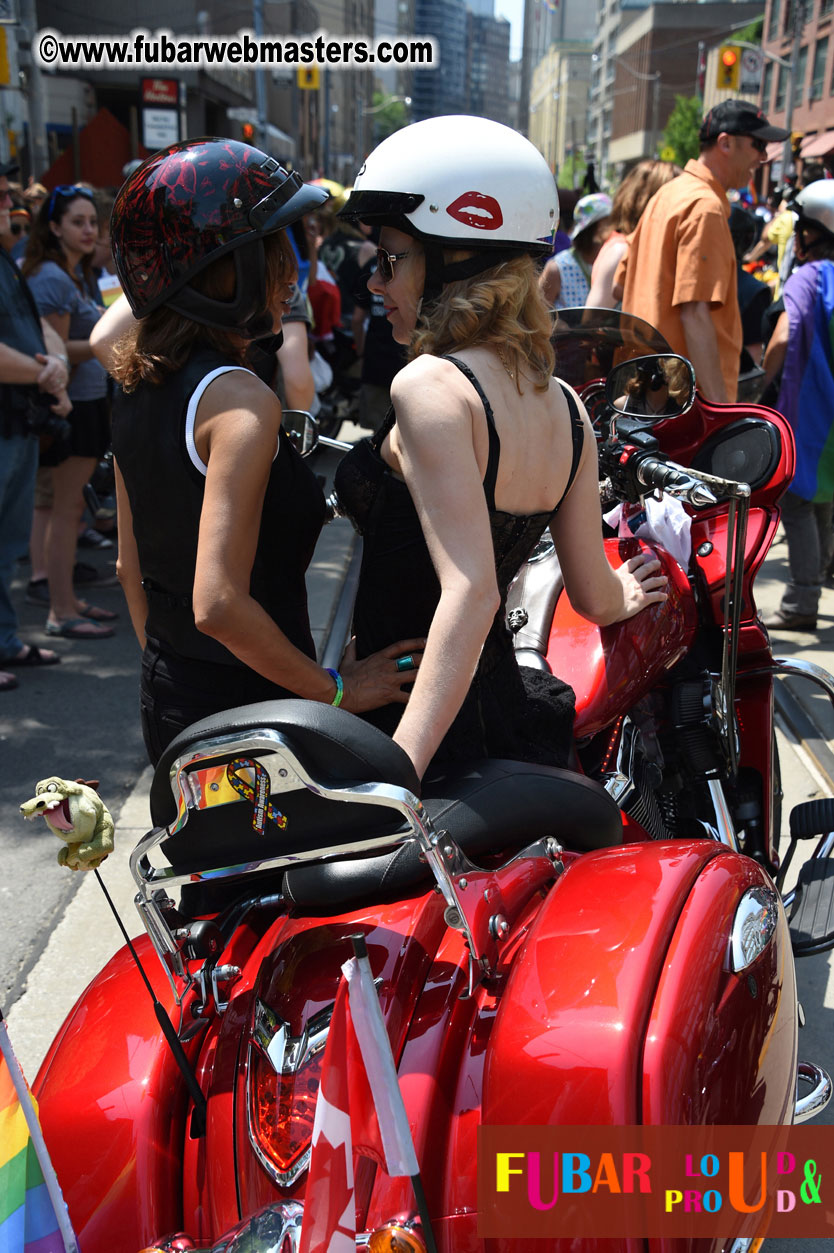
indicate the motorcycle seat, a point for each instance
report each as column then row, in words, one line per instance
column 336, row 749
column 489, row 807
column 492, row 806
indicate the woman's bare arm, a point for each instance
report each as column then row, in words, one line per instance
column 433, row 443
column 110, row 328
column 595, row 590
column 602, row 294
column 236, row 433
column 127, row 561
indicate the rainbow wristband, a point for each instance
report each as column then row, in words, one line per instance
column 340, row 687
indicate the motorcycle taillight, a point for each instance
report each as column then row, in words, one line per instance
column 283, row 1083
column 281, row 1113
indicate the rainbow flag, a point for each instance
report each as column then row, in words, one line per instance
column 33, row 1218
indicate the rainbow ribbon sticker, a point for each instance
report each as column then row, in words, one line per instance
column 258, row 795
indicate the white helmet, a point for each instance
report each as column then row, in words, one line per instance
column 815, row 205
column 463, row 182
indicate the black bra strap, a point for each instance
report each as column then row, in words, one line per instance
column 383, row 429
column 577, row 435
column 491, row 474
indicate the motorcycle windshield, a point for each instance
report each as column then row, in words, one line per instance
column 590, row 342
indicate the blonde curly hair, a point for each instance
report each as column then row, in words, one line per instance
column 501, row 308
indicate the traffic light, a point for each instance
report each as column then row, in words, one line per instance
column 307, row 77
column 729, row 67
column 248, row 133
column 796, row 144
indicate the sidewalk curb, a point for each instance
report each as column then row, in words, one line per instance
column 813, row 740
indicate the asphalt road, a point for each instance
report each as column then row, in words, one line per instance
column 79, row 719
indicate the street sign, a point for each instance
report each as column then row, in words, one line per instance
column 750, row 77
column 164, row 91
column 160, row 127
column 308, row 77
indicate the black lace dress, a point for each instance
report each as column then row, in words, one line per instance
column 510, row 711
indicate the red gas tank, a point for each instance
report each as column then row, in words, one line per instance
column 610, row 668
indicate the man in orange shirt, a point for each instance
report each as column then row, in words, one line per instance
column 679, row 273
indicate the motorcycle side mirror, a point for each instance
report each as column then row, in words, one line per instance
column 302, row 429
column 651, row 389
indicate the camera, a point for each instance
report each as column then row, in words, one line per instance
column 41, row 421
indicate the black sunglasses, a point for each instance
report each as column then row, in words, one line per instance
column 67, row 192
column 18, row 228
column 385, row 263
column 758, row 144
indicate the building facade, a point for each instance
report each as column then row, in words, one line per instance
column 558, row 113
column 644, row 57
column 312, row 128
column 488, row 74
column 812, row 124
column 548, row 22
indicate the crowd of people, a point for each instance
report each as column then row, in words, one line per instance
column 441, row 324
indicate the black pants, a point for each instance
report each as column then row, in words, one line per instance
column 177, row 691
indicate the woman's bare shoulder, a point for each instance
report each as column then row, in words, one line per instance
column 424, row 373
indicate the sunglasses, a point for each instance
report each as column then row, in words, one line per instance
column 758, row 144
column 18, row 228
column 67, row 192
column 385, row 263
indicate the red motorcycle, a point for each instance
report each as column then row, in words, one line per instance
column 605, row 946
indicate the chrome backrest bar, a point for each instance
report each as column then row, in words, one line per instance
column 453, row 872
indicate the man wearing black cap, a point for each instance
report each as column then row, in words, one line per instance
column 27, row 371
column 680, row 271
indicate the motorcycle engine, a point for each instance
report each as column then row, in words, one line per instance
column 639, row 771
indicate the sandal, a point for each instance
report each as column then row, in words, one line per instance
column 94, row 613
column 7, row 681
column 33, row 656
column 79, row 629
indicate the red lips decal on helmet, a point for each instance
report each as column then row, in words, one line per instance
column 474, row 208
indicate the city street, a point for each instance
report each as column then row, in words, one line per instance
column 56, row 928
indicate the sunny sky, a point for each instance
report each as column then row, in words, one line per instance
column 513, row 10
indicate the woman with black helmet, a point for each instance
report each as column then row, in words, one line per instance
column 218, row 516
column 480, row 451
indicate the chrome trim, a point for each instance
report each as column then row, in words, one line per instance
column 741, row 1245
column 285, row 1239
column 758, row 903
column 816, row 1100
column 223, row 974
column 723, row 817
column 802, row 669
column 620, row 784
column 467, row 908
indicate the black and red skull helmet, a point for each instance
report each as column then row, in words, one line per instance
column 191, row 203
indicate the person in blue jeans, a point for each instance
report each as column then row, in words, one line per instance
column 32, row 367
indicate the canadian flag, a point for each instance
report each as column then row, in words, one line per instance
column 359, row 1106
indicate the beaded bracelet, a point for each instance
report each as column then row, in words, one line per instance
column 340, row 687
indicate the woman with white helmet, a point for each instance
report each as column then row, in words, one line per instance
column 800, row 348
column 481, row 450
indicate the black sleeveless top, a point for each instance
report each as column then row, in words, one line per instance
column 510, row 711
column 166, row 491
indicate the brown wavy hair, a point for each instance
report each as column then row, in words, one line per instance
column 42, row 245
column 637, row 189
column 501, row 308
column 161, row 343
